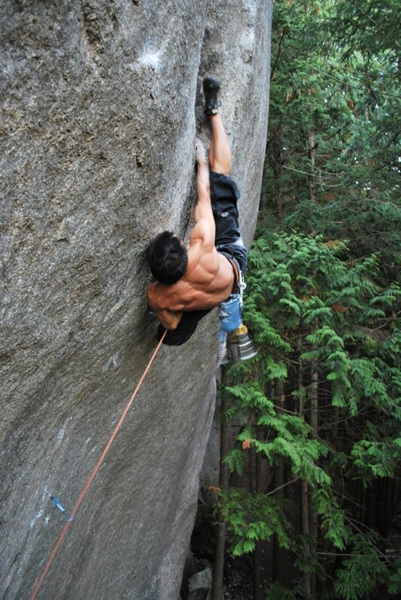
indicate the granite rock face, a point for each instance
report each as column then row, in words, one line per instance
column 100, row 104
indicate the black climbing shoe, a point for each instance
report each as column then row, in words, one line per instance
column 211, row 91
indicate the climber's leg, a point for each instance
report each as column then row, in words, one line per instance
column 220, row 152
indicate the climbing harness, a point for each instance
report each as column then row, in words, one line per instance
column 56, row 502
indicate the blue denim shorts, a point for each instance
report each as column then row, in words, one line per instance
column 230, row 313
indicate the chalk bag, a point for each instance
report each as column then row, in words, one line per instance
column 240, row 345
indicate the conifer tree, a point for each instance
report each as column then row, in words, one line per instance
column 320, row 406
column 332, row 164
column 318, row 322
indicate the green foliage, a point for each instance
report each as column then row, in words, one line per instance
column 253, row 517
column 288, row 436
column 235, row 460
column 395, row 578
column 333, row 519
column 361, row 572
column 276, row 591
column 322, row 399
column 335, row 124
column 376, row 458
column 312, row 310
column 367, row 26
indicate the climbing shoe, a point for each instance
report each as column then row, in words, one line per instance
column 211, row 91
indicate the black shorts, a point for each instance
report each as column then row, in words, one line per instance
column 224, row 193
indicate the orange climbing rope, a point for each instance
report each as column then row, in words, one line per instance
column 95, row 470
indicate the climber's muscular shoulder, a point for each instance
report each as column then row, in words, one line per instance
column 208, row 281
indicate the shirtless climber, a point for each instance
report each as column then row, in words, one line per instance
column 193, row 279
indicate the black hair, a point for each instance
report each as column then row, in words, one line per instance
column 167, row 257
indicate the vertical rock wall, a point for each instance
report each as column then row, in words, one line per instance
column 100, row 103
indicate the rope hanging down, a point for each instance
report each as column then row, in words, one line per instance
column 95, row 470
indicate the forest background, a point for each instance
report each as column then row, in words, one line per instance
column 311, row 426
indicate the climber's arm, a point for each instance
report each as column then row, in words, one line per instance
column 205, row 228
column 168, row 318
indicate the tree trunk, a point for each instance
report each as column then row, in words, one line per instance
column 305, row 492
column 278, row 562
column 313, row 517
column 254, row 488
column 305, row 532
column 217, row 592
column 257, row 581
column 312, row 156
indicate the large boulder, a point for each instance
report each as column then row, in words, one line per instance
column 100, row 104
